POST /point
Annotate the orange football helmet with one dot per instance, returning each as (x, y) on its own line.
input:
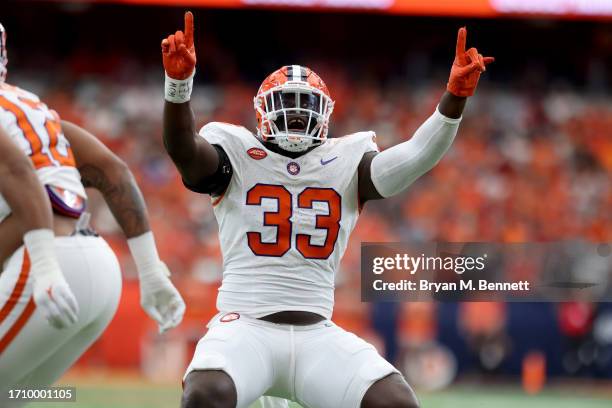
(3, 55)
(293, 107)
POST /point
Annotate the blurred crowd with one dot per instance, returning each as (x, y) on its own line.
(527, 165)
(524, 167)
(532, 160)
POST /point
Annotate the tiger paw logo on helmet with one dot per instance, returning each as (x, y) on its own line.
(293, 107)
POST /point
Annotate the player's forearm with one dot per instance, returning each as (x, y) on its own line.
(179, 131)
(396, 168)
(101, 169)
(121, 194)
(193, 156)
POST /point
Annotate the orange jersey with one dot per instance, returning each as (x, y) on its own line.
(36, 129)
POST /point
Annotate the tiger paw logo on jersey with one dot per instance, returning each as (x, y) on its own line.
(230, 317)
(256, 153)
(293, 168)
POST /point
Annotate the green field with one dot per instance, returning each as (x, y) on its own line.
(139, 395)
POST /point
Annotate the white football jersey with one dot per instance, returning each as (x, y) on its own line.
(36, 129)
(284, 223)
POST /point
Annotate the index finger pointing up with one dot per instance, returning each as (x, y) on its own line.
(461, 39)
(188, 29)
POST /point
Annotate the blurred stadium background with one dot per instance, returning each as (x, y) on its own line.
(532, 162)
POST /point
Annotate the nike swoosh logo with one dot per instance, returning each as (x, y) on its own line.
(324, 162)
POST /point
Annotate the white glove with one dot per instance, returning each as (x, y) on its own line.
(158, 296)
(52, 294)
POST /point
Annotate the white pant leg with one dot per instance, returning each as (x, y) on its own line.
(62, 359)
(242, 349)
(335, 368)
(39, 353)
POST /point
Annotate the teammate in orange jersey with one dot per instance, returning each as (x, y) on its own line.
(60, 282)
(286, 199)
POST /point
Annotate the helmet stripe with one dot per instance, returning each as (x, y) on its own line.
(2, 41)
(296, 71)
(3, 55)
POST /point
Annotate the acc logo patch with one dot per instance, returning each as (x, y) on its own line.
(256, 153)
(230, 317)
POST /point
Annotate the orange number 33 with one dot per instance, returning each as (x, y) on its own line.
(281, 219)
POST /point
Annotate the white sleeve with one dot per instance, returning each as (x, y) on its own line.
(396, 168)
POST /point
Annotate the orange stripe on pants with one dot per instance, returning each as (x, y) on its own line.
(21, 321)
(10, 304)
(12, 301)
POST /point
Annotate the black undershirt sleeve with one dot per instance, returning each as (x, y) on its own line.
(216, 183)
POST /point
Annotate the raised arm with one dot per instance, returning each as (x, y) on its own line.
(103, 170)
(392, 171)
(30, 205)
(194, 157)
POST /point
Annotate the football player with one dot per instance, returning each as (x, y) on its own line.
(60, 282)
(286, 199)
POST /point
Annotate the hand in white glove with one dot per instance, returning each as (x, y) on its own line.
(158, 296)
(52, 294)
